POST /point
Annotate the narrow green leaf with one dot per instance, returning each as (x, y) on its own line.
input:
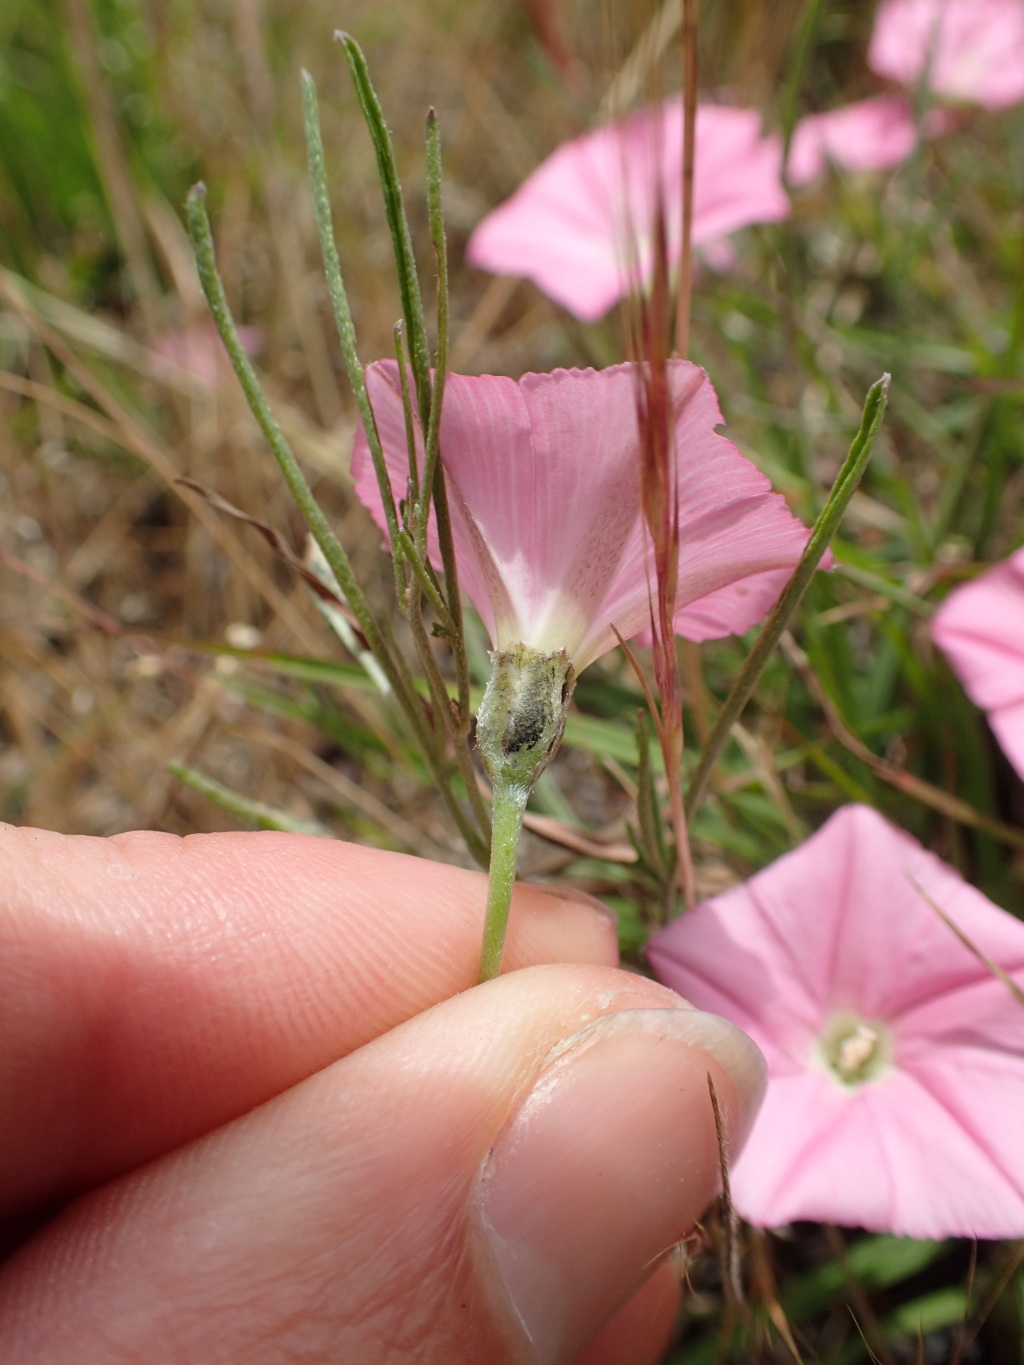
(822, 532)
(202, 245)
(252, 812)
(394, 208)
(390, 660)
(339, 298)
(434, 489)
(413, 480)
(435, 213)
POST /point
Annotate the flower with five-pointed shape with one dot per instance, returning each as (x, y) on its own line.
(582, 225)
(869, 135)
(895, 1053)
(543, 481)
(965, 49)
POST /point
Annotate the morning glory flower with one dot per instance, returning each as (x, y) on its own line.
(543, 484)
(980, 629)
(581, 226)
(895, 1055)
(542, 478)
(870, 135)
(965, 49)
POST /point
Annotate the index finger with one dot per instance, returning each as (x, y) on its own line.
(152, 987)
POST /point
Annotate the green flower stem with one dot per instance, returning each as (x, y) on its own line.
(822, 532)
(518, 730)
(433, 473)
(452, 593)
(413, 480)
(427, 584)
(510, 800)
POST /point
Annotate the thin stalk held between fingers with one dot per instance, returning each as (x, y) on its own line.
(519, 728)
(510, 800)
(822, 532)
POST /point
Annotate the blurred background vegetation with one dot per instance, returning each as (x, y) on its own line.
(139, 626)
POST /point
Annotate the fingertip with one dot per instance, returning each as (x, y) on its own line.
(640, 1332)
(561, 925)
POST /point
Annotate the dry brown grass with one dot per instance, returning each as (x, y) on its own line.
(96, 430)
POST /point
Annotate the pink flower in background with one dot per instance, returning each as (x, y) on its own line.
(581, 225)
(980, 629)
(895, 1057)
(965, 49)
(543, 484)
(871, 135)
(198, 351)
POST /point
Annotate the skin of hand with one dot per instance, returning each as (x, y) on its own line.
(255, 1111)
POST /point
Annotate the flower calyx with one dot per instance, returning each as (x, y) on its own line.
(522, 716)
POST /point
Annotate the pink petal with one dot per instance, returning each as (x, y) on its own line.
(1008, 727)
(839, 926)
(980, 629)
(886, 1156)
(734, 609)
(809, 1138)
(872, 135)
(580, 226)
(966, 49)
(739, 542)
(543, 485)
(198, 349)
(542, 482)
(968, 1057)
(843, 926)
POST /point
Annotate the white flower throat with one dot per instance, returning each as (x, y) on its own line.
(855, 1050)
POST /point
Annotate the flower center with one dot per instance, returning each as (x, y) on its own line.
(855, 1050)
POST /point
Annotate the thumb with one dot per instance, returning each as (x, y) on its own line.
(489, 1181)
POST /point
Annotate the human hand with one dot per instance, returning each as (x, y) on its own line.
(290, 1131)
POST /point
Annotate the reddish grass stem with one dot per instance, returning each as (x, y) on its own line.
(690, 78)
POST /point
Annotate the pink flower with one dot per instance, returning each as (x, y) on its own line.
(895, 1057)
(980, 628)
(197, 350)
(871, 135)
(543, 483)
(964, 49)
(582, 223)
